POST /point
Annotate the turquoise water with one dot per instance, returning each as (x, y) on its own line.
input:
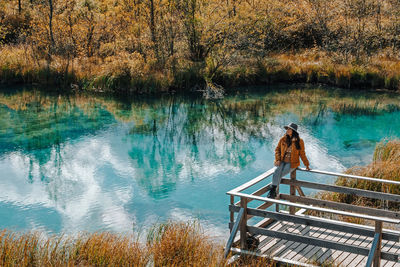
(84, 163)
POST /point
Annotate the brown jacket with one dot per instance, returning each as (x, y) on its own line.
(296, 153)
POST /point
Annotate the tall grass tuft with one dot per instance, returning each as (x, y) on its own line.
(168, 244)
(97, 249)
(385, 165)
(107, 249)
(183, 244)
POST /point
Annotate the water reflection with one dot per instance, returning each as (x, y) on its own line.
(71, 163)
(186, 139)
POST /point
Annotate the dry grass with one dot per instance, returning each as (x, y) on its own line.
(169, 244)
(126, 72)
(385, 165)
(183, 244)
(97, 249)
(111, 45)
(314, 66)
(321, 67)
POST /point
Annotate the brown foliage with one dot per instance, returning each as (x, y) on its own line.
(219, 40)
(171, 244)
(385, 165)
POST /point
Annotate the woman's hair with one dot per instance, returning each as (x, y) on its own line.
(289, 139)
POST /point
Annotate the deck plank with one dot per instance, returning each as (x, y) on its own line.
(315, 252)
(339, 237)
(315, 232)
(340, 260)
(301, 250)
(386, 246)
(295, 247)
(296, 252)
(291, 245)
(346, 238)
(280, 243)
(350, 258)
(395, 248)
(278, 247)
(265, 240)
(310, 254)
(293, 253)
(334, 236)
(366, 244)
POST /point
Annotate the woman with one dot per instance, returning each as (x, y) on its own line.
(287, 154)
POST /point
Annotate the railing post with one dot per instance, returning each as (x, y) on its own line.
(292, 210)
(377, 256)
(277, 205)
(277, 194)
(243, 224)
(231, 214)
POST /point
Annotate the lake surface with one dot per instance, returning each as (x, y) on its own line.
(84, 163)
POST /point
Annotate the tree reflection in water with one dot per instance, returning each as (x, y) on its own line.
(167, 130)
(157, 143)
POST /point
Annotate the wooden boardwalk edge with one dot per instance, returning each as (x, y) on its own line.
(295, 238)
(277, 259)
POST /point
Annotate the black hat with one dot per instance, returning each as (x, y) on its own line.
(292, 126)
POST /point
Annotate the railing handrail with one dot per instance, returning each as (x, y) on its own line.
(310, 207)
(351, 176)
(271, 171)
(253, 181)
(343, 189)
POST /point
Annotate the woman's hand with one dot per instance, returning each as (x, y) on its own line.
(277, 163)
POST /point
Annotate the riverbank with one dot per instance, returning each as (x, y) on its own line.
(135, 47)
(169, 244)
(127, 75)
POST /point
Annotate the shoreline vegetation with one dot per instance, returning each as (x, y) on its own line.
(385, 165)
(168, 244)
(132, 47)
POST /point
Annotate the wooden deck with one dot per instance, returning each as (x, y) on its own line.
(295, 238)
(289, 251)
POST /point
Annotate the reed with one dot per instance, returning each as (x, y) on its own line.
(182, 244)
(97, 249)
(130, 73)
(311, 66)
(168, 244)
(385, 165)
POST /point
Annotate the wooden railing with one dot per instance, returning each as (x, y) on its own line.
(304, 203)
